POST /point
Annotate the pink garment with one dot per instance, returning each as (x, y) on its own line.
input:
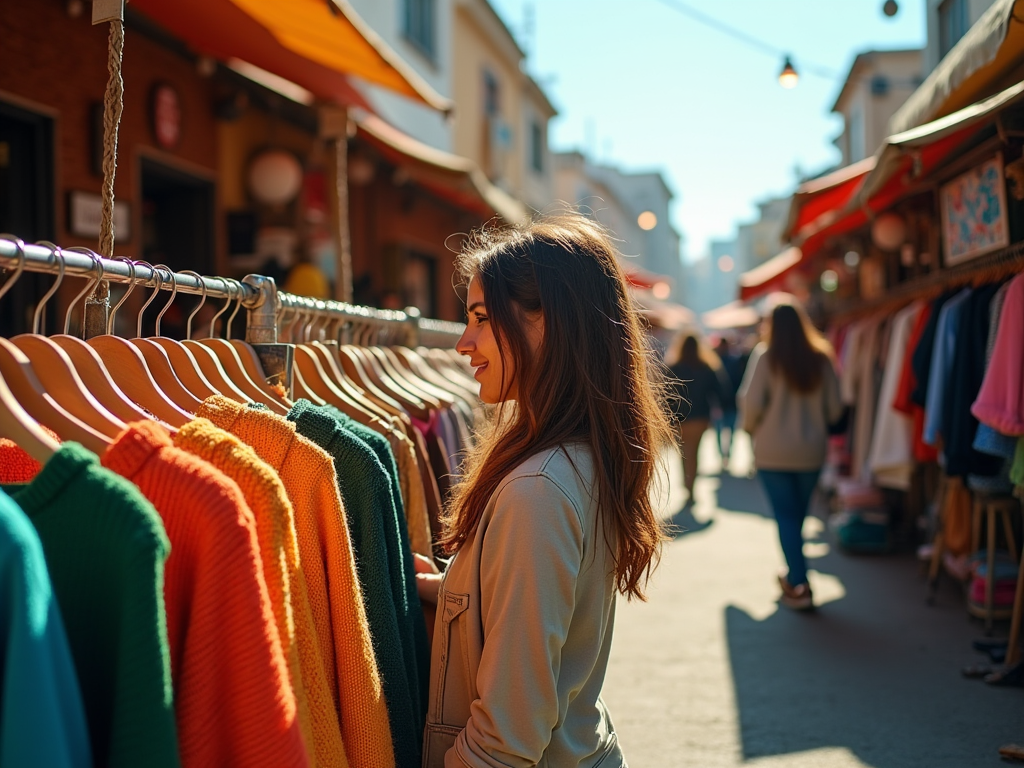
(1000, 402)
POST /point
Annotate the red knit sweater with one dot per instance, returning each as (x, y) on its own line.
(232, 697)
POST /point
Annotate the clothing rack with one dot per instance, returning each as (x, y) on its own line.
(270, 312)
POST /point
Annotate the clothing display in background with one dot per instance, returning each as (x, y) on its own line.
(1000, 401)
(890, 458)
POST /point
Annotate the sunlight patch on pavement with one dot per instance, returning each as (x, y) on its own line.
(827, 757)
(827, 588)
(814, 550)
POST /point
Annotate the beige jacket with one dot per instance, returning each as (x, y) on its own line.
(524, 628)
(790, 429)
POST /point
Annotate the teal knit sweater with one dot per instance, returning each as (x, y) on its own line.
(380, 565)
(105, 548)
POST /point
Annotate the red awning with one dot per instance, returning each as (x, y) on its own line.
(771, 275)
(815, 200)
(904, 162)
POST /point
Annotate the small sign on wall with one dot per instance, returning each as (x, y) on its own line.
(973, 206)
(85, 213)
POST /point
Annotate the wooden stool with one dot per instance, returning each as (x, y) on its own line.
(991, 507)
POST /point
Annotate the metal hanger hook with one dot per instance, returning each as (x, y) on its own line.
(58, 256)
(238, 306)
(159, 284)
(20, 245)
(98, 263)
(174, 292)
(202, 287)
(222, 310)
(124, 298)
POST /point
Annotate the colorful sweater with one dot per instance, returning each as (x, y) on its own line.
(372, 520)
(105, 547)
(233, 700)
(326, 556)
(42, 721)
(279, 548)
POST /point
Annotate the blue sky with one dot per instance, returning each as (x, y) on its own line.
(643, 86)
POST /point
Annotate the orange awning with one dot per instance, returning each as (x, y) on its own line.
(770, 275)
(312, 43)
(453, 178)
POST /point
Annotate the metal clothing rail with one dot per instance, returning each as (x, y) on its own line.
(268, 309)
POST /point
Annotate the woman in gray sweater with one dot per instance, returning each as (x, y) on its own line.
(788, 399)
(553, 517)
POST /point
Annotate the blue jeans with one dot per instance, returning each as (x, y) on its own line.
(790, 493)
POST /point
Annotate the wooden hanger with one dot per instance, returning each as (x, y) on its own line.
(410, 378)
(233, 367)
(390, 375)
(87, 363)
(54, 369)
(156, 358)
(415, 362)
(179, 356)
(24, 431)
(128, 369)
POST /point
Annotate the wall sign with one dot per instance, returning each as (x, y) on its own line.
(85, 212)
(973, 206)
(165, 115)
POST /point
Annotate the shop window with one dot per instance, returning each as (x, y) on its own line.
(26, 206)
(855, 128)
(177, 230)
(952, 24)
(420, 29)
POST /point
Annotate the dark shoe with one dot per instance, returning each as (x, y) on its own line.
(798, 598)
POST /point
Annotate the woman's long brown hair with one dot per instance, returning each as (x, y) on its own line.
(593, 380)
(796, 349)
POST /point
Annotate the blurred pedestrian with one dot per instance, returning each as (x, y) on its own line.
(789, 396)
(733, 365)
(700, 386)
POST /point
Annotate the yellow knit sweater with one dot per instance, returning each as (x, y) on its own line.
(328, 565)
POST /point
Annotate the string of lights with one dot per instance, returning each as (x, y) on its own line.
(788, 77)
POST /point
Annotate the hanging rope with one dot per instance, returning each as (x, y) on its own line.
(113, 105)
(98, 303)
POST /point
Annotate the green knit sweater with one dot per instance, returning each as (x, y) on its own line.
(105, 548)
(373, 526)
(382, 449)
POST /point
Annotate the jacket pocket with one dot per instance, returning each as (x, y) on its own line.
(438, 739)
(452, 605)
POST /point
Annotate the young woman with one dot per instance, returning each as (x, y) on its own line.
(701, 386)
(789, 396)
(553, 517)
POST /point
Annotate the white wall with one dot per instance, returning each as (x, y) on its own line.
(423, 123)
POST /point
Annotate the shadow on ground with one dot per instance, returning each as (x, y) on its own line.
(874, 672)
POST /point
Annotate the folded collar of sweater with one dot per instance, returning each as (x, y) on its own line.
(252, 424)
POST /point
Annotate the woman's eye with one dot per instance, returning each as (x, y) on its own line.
(480, 319)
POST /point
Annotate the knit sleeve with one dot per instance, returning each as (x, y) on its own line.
(753, 394)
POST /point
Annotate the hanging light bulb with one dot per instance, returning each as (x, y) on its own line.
(788, 78)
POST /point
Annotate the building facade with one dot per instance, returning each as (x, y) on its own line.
(877, 85)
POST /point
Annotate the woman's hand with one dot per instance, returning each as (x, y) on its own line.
(428, 579)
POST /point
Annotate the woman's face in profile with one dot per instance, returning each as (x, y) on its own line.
(480, 345)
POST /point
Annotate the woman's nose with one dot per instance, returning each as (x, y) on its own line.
(465, 345)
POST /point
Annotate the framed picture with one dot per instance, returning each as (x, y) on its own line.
(973, 206)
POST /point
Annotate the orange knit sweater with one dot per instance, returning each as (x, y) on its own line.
(16, 466)
(279, 549)
(328, 564)
(232, 697)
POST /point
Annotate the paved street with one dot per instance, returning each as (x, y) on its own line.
(712, 673)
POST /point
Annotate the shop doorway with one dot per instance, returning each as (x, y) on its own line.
(177, 230)
(26, 205)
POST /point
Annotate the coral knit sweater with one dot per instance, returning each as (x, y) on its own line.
(233, 700)
(327, 559)
(279, 548)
